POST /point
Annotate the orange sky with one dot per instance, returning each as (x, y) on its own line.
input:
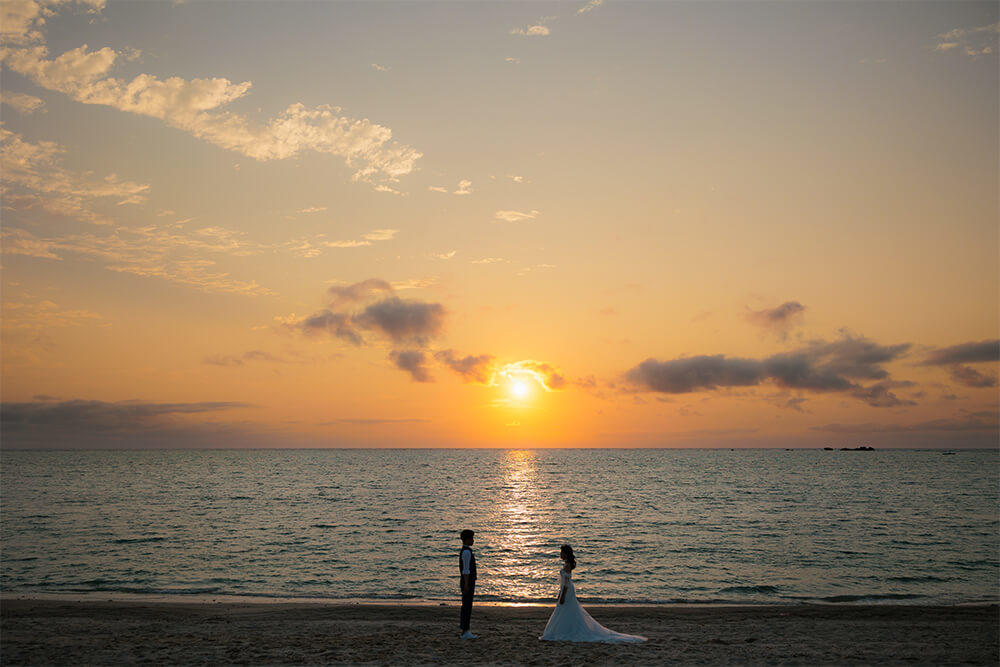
(376, 224)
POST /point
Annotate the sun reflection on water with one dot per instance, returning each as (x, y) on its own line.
(518, 516)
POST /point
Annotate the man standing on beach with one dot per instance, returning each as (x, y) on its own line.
(467, 566)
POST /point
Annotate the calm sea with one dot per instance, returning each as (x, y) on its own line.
(654, 526)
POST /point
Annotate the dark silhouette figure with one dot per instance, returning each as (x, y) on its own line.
(467, 568)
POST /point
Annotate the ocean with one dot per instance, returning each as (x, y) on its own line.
(648, 525)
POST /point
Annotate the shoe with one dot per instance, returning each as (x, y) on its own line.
(469, 635)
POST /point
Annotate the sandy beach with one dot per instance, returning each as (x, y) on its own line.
(115, 632)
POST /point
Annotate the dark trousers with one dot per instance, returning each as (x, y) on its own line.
(467, 606)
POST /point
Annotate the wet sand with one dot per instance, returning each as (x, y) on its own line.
(54, 632)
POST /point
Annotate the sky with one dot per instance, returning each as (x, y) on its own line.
(545, 224)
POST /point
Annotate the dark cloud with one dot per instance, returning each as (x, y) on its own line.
(44, 397)
(778, 319)
(403, 320)
(970, 377)
(413, 362)
(680, 376)
(338, 325)
(819, 366)
(476, 368)
(374, 422)
(988, 420)
(346, 295)
(966, 353)
(97, 423)
(239, 360)
(880, 395)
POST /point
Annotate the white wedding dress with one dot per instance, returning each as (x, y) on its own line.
(571, 623)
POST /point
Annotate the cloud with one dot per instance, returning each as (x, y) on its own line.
(964, 353)
(380, 235)
(196, 106)
(778, 319)
(403, 320)
(955, 356)
(478, 368)
(973, 42)
(240, 360)
(880, 395)
(532, 31)
(547, 376)
(380, 68)
(32, 176)
(26, 104)
(34, 180)
(590, 6)
(413, 283)
(819, 366)
(346, 244)
(437, 188)
(367, 239)
(515, 178)
(88, 423)
(375, 422)
(312, 209)
(975, 421)
(970, 377)
(512, 60)
(488, 260)
(43, 315)
(445, 255)
(152, 251)
(413, 362)
(338, 325)
(515, 216)
(464, 188)
(343, 295)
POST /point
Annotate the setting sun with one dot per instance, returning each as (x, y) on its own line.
(519, 389)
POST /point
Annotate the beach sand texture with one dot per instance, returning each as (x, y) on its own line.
(90, 632)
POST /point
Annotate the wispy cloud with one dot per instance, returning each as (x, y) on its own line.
(380, 68)
(312, 209)
(33, 177)
(590, 6)
(977, 41)
(515, 216)
(464, 187)
(159, 252)
(22, 103)
(778, 320)
(196, 107)
(380, 235)
(512, 60)
(532, 31)
(229, 360)
(438, 188)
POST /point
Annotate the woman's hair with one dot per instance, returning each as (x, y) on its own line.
(566, 552)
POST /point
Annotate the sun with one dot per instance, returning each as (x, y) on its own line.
(519, 389)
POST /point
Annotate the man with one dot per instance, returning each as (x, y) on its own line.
(467, 566)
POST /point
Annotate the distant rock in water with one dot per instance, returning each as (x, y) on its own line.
(857, 449)
(828, 449)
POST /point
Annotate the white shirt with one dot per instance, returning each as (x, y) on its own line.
(466, 558)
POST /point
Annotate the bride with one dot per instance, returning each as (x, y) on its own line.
(569, 621)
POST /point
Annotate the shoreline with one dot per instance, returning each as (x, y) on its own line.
(49, 631)
(264, 599)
